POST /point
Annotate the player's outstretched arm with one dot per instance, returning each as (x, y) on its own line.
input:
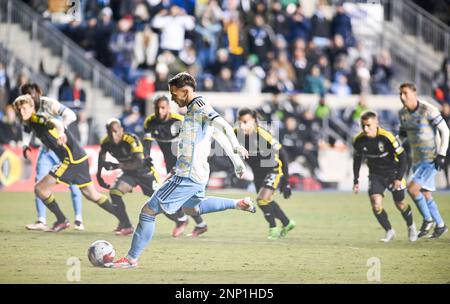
(221, 125)
(224, 142)
(444, 133)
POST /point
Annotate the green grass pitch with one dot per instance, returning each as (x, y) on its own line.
(336, 235)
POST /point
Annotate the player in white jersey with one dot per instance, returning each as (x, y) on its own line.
(186, 188)
(419, 122)
(47, 159)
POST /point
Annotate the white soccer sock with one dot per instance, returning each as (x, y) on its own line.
(183, 218)
(43, 220)
(201, 225)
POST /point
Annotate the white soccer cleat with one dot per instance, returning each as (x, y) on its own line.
(38, 226)
(246, 204)
(412, 233)
(390, 234)
(78, 225)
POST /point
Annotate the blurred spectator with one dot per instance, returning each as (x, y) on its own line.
(22, 79)
(354, 117)
(222, 60)
(323, 110)
(337, 50)
(260, 38)
(300, 26)
(309, 131)
(382, 73)
(162, 77)
(4, 87)
(10, 128)
(122, 47)
(208, 28)
(207, 84)
(340, 87)
(272, 110)
(74, 96)
(104, 30)
(146, 44)
(233, 37)
(250, 77)
(293, 107)
(173, 25)
(224, 83)
(88, 40)
(301, 68)
(59, 82)
(359, 78)
(132, 120)
(441, 83)
(342, 25)
(290, 139)
(314, 82)
(145, 87)
(85, 130)
(360, 51)
(141, 17)
(320, 27)
(279, 20)
(325, 70)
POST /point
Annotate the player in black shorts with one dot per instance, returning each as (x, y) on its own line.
(74, 166)
(270, 170)
(163, 126)
(387, 164)
(129, 152)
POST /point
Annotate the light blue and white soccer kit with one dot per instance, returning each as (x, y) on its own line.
(421, 127)
(47, 159)
(187, 187)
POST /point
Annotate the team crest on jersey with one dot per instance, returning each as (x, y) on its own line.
(381, 146)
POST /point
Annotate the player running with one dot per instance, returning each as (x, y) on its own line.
(270, 170)
(128, 150)
(387, 164)
(419, 122)
(186, 188)
(47, 159)
(73, 167)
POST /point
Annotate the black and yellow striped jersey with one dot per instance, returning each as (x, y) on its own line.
(263, 149)
(382, 152)
(71, 150)
(165, 134)
(125, 150)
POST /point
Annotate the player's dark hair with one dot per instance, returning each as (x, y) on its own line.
(408, 85)
(368, 115)
(246, 111)
(159, 98)
(182, 79)
(27, 88)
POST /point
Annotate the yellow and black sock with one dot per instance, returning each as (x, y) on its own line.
(269, 213)
(119, 205)
(279, 214)
(53, 206)
(407, 215)
(382, 218)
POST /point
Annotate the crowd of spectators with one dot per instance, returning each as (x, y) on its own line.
(229, 46)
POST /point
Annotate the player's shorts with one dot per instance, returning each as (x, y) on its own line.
(144, 181)
(378, 184)
(267, 179)
(177, 192)
(69, 173)
(424, 174)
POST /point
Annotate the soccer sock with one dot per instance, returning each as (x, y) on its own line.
(202, 224)
(435, 214)
(215, 204)
(382, 218)
(106, 205)
(41, 210)
(423, 207)
(279, 214)
(76, 202)
(407, 215)
(117, 202)
(198, 220)
(269, 214)
(51, 204)
(142, 236)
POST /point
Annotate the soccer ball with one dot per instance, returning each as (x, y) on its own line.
(101, 252)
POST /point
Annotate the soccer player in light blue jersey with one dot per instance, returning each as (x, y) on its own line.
(419, 123)
(186, 188)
